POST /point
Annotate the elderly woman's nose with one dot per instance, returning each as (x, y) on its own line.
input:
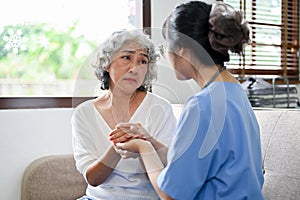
(134, 64)
(133, 67)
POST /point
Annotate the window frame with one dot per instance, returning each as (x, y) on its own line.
(287, 71)
(61, 102)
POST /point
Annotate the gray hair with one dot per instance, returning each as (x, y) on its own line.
(113, 44)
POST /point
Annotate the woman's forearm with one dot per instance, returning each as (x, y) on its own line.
(160, 148)
(153, 166)
(101, 169)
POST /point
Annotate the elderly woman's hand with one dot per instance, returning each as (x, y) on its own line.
(125, 153)
(133, 134)
(127, 131)
(133, 146)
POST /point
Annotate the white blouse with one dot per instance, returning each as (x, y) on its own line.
(91, 140)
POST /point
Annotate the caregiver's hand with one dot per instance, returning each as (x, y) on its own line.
(133, 146)
(127, 131)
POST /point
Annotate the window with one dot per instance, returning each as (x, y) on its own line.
(43, 45)
(274, 48)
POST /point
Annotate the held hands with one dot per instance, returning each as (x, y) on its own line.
(127, 138)
(125, 153)
(132, 146)
(128, 131)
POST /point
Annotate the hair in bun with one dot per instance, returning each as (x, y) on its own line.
(228, 31)
(217, 28)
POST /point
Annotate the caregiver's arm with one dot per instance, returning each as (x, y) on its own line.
(151, 161)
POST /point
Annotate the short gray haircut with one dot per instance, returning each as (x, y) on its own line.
(113, 44)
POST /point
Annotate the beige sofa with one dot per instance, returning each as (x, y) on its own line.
(52, 177)
(55, 177)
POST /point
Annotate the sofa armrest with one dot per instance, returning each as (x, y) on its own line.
(53, 177)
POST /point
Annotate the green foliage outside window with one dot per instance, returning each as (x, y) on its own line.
(41, 52)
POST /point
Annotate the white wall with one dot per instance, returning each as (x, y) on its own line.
(27, 135)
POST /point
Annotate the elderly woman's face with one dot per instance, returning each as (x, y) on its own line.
(129, 67)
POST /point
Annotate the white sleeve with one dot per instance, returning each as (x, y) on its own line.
(82, 154)
(89, 136)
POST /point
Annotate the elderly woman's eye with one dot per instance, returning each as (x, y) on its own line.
(126, 57)
(144, 62)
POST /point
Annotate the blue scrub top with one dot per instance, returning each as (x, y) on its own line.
(216, 152)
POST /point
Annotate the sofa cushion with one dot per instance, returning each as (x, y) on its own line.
(52, 177)
(280, 134)
(267, 120)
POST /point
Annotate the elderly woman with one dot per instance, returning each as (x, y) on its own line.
(126, 67)
(215, 153)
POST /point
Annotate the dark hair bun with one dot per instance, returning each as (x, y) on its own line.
(228, 31)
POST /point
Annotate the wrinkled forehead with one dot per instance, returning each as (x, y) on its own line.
(133, 45)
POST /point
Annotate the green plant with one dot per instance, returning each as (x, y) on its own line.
(41, 52)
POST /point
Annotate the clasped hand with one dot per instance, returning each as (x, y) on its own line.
(130, 133)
